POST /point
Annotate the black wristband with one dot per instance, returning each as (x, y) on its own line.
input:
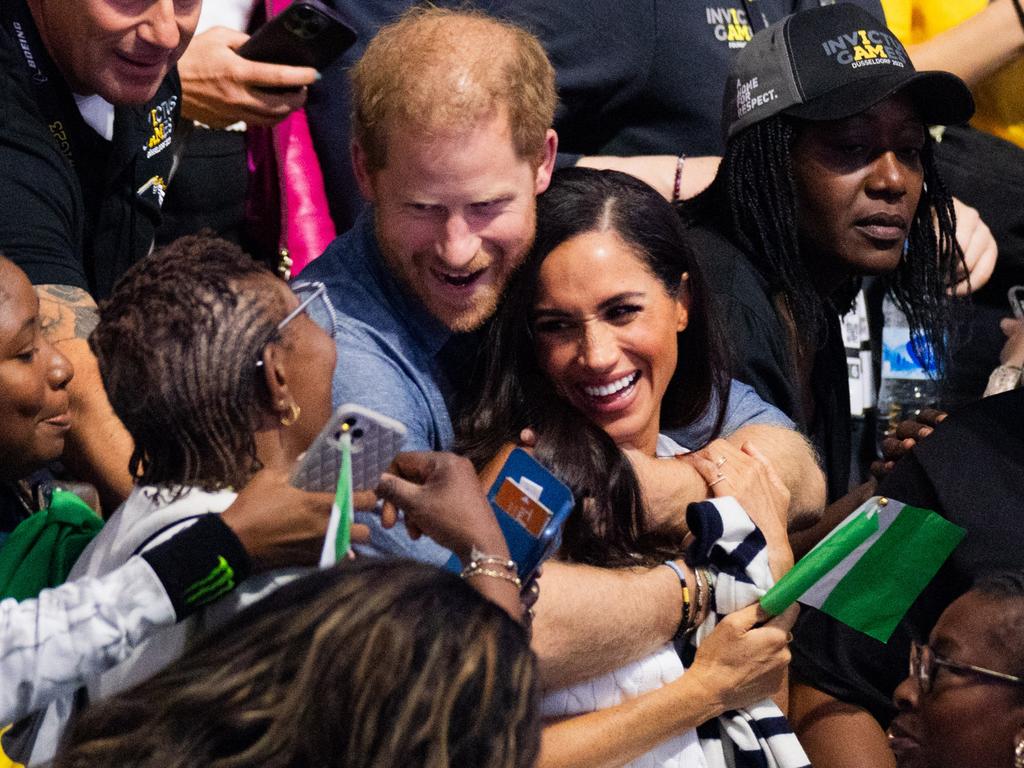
(200, 564)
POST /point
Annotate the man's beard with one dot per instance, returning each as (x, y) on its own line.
(415, 276)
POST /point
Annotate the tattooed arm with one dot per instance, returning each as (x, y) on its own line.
(98, 446)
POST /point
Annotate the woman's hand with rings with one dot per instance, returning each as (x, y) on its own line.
(719, 474)
(757, 487)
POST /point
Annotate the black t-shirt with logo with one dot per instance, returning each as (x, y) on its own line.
(634, 76)
(648, 78)
(760, 353)
(75, 209)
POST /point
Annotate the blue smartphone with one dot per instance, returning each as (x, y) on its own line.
(531, 505)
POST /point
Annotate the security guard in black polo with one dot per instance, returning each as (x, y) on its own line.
(76, 209)
(89, 104)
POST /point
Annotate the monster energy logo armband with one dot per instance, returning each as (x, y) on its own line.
(200, 564)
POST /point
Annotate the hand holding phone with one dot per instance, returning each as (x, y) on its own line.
(376, 439)
(531, 506)
(305, 34)
(440, 495)
(220, 88)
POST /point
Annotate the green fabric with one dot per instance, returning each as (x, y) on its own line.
(818, 562)
(878, 590)
(39, 553)
(343, 500)
(875, 592)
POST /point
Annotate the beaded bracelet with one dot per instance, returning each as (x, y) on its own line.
(476, 556)
(677, 187)
(478, 562)
(684, 627)
(473, 569)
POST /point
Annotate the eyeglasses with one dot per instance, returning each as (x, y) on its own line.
(923, 661)
(307, 294)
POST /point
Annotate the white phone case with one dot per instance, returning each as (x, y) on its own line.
(376, 439)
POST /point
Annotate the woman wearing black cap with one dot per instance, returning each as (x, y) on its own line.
(827, 176)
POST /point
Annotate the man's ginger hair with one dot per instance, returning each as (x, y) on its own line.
(437, 70)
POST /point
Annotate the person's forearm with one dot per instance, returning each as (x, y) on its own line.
(590, 621)
(977, 47)
(793, 459)
(98, 447)
(835, 733)
(50, 645)
(805, 540)
(614, 736)
(492, 581)
(660, 171)
(668, 487)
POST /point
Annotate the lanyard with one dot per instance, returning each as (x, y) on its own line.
(52, 99)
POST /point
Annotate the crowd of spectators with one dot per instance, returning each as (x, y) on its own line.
(619, 236)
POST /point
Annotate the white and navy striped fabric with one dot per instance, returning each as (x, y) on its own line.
(732, 546)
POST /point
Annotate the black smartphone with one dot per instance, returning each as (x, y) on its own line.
(305, 34)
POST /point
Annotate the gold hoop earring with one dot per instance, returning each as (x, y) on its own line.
(294, 411)
(1018, 750)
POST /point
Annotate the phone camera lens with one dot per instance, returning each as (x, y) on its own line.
(356, 434)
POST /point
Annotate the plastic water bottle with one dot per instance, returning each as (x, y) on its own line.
(909, 378)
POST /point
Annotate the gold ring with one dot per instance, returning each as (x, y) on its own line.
(720, 461)
(713, 483)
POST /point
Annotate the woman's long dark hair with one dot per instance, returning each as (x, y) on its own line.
(754, 202)
(608, 526)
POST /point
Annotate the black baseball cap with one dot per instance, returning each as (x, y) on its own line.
(831, 62)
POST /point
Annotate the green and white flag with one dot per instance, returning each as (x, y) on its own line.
(339, 527)
(873, 565)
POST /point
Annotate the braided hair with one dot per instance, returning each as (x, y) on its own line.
(177, 345)
(754, 201)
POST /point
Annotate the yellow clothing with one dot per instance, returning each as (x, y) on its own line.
(1000, 98)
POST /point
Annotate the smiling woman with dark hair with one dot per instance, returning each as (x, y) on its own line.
(34, 407)
(604, 340)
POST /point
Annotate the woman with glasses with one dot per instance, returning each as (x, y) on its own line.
(217, 371)
(962, 704)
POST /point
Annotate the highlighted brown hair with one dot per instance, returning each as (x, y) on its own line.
(371, 664)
